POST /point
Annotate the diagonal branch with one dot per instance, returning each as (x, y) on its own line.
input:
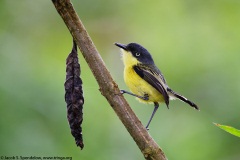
(108, 87)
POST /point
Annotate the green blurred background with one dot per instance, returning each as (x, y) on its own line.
(194, 43)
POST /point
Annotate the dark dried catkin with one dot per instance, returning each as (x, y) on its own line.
(74, 96)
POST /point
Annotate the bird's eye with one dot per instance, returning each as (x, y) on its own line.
(137, 54)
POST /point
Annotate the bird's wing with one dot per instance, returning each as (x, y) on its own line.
(154, 77)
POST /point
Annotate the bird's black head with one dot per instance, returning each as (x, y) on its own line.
(139, 52)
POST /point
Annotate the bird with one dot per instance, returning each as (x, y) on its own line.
(145, 81)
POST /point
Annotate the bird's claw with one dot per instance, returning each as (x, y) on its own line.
(145, 97)
(122, 91)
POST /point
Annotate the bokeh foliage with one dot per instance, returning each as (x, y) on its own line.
(194, 43)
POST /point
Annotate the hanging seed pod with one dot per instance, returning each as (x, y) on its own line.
(74, 95)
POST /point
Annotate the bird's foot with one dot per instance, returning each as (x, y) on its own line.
(145, 97)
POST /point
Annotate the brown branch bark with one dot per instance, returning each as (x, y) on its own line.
(108, 87)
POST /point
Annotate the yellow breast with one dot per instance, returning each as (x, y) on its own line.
(140, 87)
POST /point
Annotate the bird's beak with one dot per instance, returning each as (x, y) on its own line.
(123, 46)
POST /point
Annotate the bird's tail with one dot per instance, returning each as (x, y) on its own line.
(180, 97)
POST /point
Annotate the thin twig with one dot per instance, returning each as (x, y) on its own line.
(108, 87)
